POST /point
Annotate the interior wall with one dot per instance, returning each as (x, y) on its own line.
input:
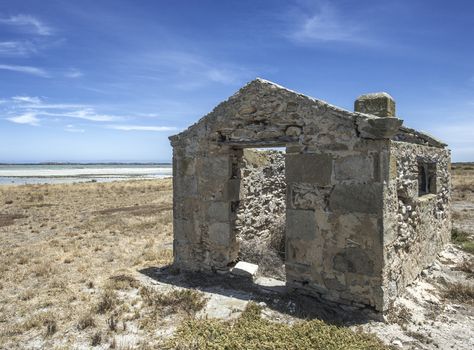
(260, 217)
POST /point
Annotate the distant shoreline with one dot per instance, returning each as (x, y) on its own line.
(86, 163)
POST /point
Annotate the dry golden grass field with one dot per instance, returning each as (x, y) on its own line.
(69, 273)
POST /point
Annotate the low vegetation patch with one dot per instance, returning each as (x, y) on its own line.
(9, 219)
(107, 302)
(467, 266)
(462, 240)
(460, 292)
(187, 300)
(251, 331)
(86, 321)
(121, 282)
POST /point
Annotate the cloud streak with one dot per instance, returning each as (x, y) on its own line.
(189, 71)
(324, 24)
(26, 69)
(16, 48)
(72, 128)
(31, 110)
(27, 118)
(26, 99)
(28, 24)
(73, 73)
(141, 128)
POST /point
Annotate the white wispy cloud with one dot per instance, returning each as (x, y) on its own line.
(27, 23)
(73, 73)
(27, 118)
(72, 128)
(27, 99)
(141, 128)
(37, 105)
(324, 23)
(16, 48)
(55, 106)
(86, 114)
(189, 70)
(30, 110)
(25, 69)
(92, 115)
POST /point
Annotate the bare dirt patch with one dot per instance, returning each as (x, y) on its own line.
(9, 219)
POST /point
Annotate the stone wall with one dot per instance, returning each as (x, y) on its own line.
(334, 226)
(416, 227)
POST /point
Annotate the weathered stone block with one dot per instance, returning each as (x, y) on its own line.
(294, 149)
(356, 229)
(300, 224)
(183, 229)
(359, 168)
(354, 260)
(187, 208)
(185, 166)
(380, 104)
(244, 269)
(299, 251)
(219, 211)
(309, 167)
(232, 190)
(221, 233)
(378, 128)
(215, 166)
(359, 198)
(306, 196)
(185, 186)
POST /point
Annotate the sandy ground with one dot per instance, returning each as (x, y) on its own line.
(80, 266)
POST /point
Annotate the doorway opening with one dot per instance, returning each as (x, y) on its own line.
(261, 212)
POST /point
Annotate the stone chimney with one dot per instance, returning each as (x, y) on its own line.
(380, 104)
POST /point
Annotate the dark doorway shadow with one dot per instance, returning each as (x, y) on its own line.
(277, 298)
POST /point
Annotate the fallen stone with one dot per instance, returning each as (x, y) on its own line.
(244, 269)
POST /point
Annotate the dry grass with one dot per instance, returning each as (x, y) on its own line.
(460, 292)
(463, 181)
(186, 300)
(9, 219)
(86, 321)
(400, 315)
(467, 266)
(69, 259)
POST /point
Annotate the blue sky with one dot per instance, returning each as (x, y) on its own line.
(111, 80)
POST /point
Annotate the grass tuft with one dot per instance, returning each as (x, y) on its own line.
(86, 321)
(107, 302)
(187, 300)
(122, 282)
(96, 339)
(460, 292)
(463, 240)
(51, 327)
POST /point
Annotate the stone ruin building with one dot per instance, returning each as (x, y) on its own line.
(366, 200)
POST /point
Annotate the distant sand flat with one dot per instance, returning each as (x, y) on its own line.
(85, 172)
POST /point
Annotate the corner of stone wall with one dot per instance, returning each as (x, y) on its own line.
(415, 229)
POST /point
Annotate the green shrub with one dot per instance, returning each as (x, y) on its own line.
(251, 332)
(462, 240)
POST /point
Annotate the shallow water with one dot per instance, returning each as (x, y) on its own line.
(67, 173)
